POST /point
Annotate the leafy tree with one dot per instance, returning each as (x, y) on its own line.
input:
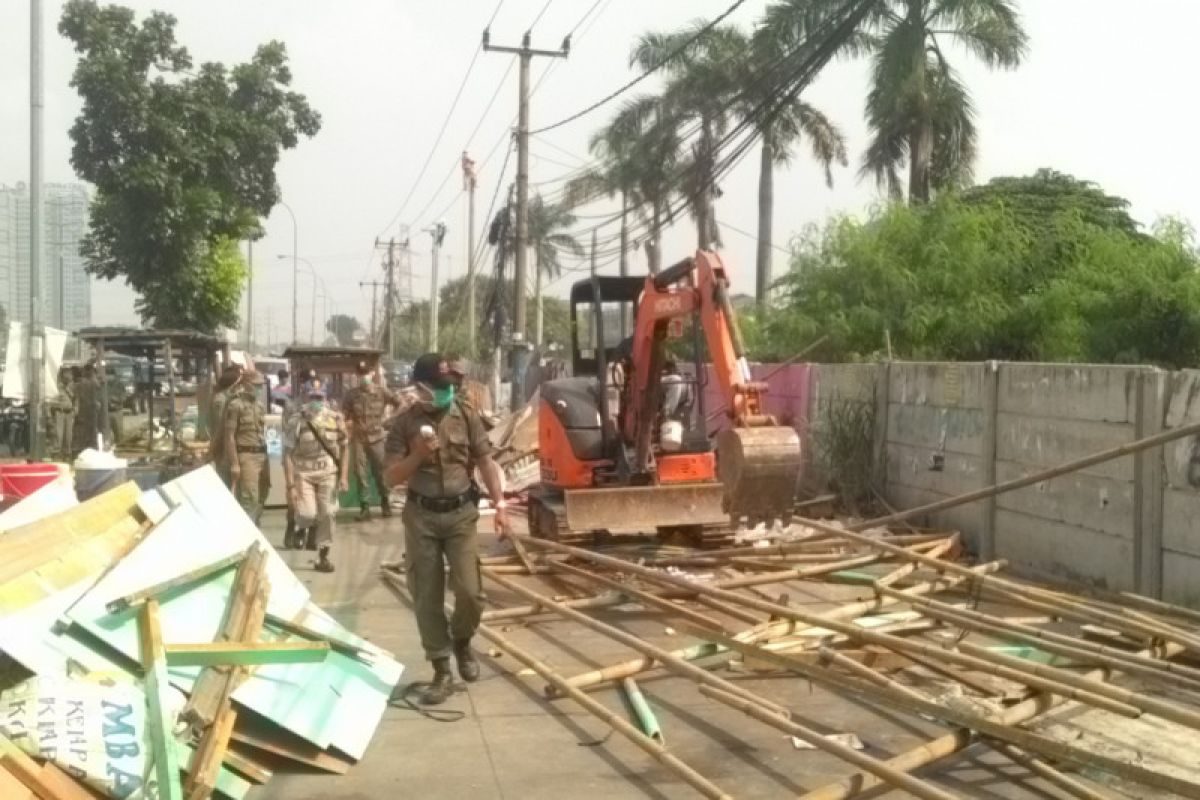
(919, 111)
(548, 223)
(971, 281)
(1037, 199)
(343, 327)
(183, 158)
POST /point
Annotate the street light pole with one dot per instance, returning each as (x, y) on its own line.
(36, 232)
(295, 270)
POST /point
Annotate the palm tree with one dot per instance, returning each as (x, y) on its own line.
(700, 83)
(918, 109)
(547, 225)
(636, 158)
(780, 128)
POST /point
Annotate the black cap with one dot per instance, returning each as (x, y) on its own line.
(363, 368)
(427, 369)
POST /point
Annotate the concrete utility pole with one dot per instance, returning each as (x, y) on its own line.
(295, 272)
(36, 106)
(388, 294)
(375, 337)
(470, 179)
(438, 234)
(250, 296)
(526, 54)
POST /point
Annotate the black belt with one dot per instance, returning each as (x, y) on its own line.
(249, 449)
(439, 505)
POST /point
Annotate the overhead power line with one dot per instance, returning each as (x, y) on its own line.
(442, 130)
(634, 82)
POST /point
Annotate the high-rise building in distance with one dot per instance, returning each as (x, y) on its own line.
(66, 288)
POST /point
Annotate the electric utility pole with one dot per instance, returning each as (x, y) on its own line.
(438, 234)
(250, 296)
(36, 232)
(470, 179)
(525, 53)
(375, 337)
(388, 294)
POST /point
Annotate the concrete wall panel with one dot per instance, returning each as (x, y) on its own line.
(953, 429)
(1040, 442)
(937, 383)
(1069, 391)
(1101, 504)
(1181, 578)
(1038, 546)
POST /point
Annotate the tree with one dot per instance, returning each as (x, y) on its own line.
(973, 280)
(917, 108)
(343, 327)
(780, 126)
(547, 225)
(1037, 199)
(183, 158)
(637, 155)
(699, 84)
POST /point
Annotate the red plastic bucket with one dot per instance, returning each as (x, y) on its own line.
(22, 480)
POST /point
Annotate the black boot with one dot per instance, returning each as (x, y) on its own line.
(442, 685)
(323, 562)
(364, 513)
(468, 666)
(309, 537)
(385, 508)
(289, 536)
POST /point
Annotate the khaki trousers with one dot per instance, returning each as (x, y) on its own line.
(431, 541)
(317, 502)
(254, 484)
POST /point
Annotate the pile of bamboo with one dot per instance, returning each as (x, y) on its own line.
(851, 649)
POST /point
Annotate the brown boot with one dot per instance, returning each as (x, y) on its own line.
(468, 666)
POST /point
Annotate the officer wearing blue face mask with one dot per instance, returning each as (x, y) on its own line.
(435, 445)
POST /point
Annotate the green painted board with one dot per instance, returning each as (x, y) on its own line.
(217, 654)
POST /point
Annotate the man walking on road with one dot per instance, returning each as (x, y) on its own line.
(227, 386)
(435, 445)
(315, 464)
(244, 431)
(366, 406)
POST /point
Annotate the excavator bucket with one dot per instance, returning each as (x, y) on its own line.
(759, 468)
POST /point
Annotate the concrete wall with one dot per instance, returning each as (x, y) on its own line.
(943, 429)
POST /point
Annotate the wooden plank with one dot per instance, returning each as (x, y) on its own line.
(243, 622)
(161, 723)
(192, 576)
(342, 646)
(245, 654)
(206, 765)
(56, 783)
(255, 736)
(12, 788)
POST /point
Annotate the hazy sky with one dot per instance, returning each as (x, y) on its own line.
(1105, 94)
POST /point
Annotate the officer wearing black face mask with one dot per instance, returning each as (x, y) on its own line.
(434, 446)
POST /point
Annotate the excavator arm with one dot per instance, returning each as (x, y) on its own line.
(758, 460)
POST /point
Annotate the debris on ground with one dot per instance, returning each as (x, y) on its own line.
(157, 646)
(996, 661)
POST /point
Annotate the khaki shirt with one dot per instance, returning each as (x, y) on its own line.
(245, 417)
(366, 405)
(463, 443)
(302, 443)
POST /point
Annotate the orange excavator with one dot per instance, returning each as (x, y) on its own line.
(619, 455)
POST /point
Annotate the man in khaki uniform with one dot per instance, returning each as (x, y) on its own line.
(366, 406)
(244, 431)
(226, 387)
(434, 445)
(315, 465)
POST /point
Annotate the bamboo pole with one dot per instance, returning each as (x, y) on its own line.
(1029, 596)
(901, 780)
(947, 744)
(646, 597)
(985, 726)
(769, 629)
(1061, 644)
(1032, 763)
(1062, 682)
(822, 541)
(516, 612)
(911, 567)
(1037, 477)
(647, 744)
(1039, 767)
(676, 665)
